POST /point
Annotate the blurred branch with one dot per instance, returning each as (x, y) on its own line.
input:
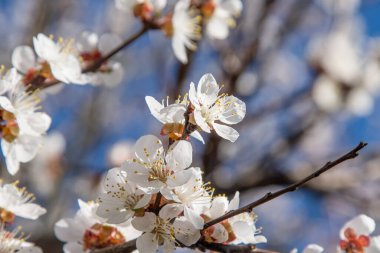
(270, 196)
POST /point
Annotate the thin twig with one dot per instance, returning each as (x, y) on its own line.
(269, 196)
(123, 45)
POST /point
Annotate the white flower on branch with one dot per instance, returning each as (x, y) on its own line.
(210, 107)
(184, 29)
(121, 198)
(92, 48)
(172, 116)
(87, 231)
(143, 9)
(13, 242)
(237, 229)
(22, 125)
(61, 59)
(355, 236)
(153, 169)
(162, 230)
(193, 198)
(220, 16)
(311, 248)
(15, 201)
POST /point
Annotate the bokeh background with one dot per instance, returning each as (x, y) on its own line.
(277, 59)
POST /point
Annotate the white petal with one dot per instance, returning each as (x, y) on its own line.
(207, 90)
(32, 249)
(185, 232)
(6, 104)
(220, 234)
(234, 110)
(73, 247)
(147, 243)
(219, 207)
(361, 224)
(194, 218)
(180, 155)
(226, 132)
(149, 148)
(145, 223)
(217, 28)
(201, 121)
(170, 211)
(244, 231)
(26, 147)
(374, 246)
(23, 58)
(29, 211)
(154, 107)
(193, 96)
(313, 248)
(234, 203)
(179, 49)
(197, 136)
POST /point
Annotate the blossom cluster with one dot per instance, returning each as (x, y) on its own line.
(184, 24)
(157, 193)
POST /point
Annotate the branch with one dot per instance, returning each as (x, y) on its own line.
(231, 248)
(269, 196)
(122, 248)
(123, 45)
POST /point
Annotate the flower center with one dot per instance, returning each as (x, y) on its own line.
(354, 243)
(6, 216)
(9, 128)
(159, 171)
(101, 236)
(44, 72)
(163, 231)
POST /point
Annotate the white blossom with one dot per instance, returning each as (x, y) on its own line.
(184, 28)
(193, 198)
(161, 230)
(12, 242)
(172, 116)
(15, 201)
(121, 198)
(87, 231)
(355, 236)
(153, 169)
(62, 59)
(210, 107)
(220, 16)
(311, 248)
(22, 125)
(237, 229)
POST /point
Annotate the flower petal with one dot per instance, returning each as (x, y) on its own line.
(361, 224)
(147, 243)
(226, 132)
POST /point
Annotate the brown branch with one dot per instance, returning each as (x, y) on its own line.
(230, 248)
(123, 45)
(122, 248)
(270, 196)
